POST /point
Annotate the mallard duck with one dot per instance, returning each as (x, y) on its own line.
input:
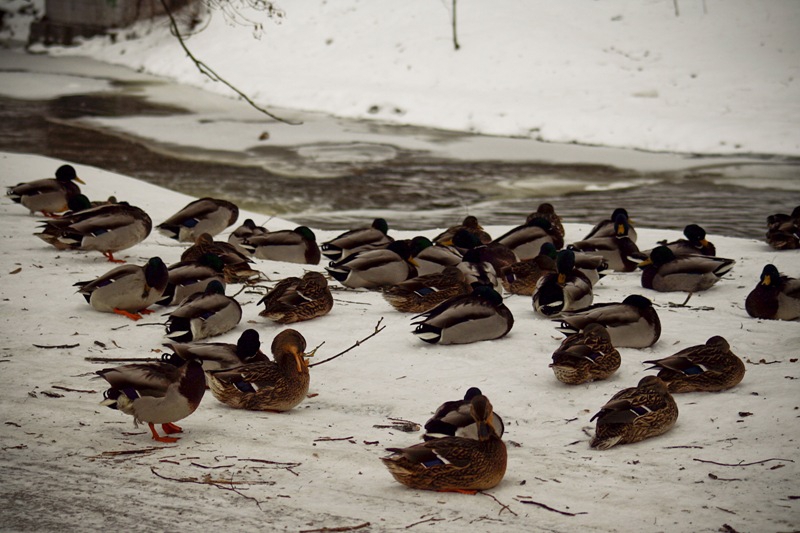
(290, 246)
(245, 231)
(206, 215)
(783, 231)
(419, 294)
(707, 367)
(474, 317)
(633, 323)
(526, 241)
(189, 277)
(776, 297)
(469, 225)
(127, 289)
(454, 419)
(567, 289)
(155, 393)
(610, 226)
(498, 254)
(107, 229)
(218, 355)
(454, 464)
(694, 243)
(356, 240)
(430, 258)
(479, 272)
(297, 299)
(48, 196)
(204, 314)
(592, 265)
(521, 277)
(619, 250)
(586, 356)
(267, 385)
(666, 272)
(548, 212)
(237, 267)
(372, 269)
(635, 414)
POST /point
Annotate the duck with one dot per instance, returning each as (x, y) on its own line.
(204, 215)
(155, 393)
(663, 271)
(204, 314)
(592, 265)
(619, 250)
(48, 196)
(374, 269)
(526, 240)
(107, 229)
(290, 246)
(586, 356)
(497, 254)
(454, 464)
(694, 243)
(355, 240)
(567, 289)
(298, 299)
(783, 231)
(242, 233)
(548, 212)
(469, 225)
(419, 294)
(189, 277)
(218, 355)
(609, 227)
(635, 414)
(632, 323)
(776, 297)
(237, 266)
(454, 419)
(127, 290)
(430, 258)
(474, 317)
(277, 385)
(709, 367)
(521, 277)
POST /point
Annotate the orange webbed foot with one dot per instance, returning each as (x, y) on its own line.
(170, 428)
(132, 316)
(146, 311)
(159, 438)
(110, 257)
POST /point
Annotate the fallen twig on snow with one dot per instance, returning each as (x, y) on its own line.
(545, 506)
(57, 346)
(378, 329)
(59, 387)
(121, 359)
(409, 526)
(151, 449)
(336, 529)
(743, 464)
(503, 507)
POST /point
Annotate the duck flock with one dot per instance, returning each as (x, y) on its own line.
(454, 285)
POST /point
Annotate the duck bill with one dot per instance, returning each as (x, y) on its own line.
(302, 364)
(562, 279)
(484, 430)
(647, 262)
(767, 280)
(704, 242)
(80, 180)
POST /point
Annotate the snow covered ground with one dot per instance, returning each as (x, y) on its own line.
(719, 77)
(70, 464)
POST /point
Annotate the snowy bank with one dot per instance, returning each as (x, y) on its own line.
(71, 464)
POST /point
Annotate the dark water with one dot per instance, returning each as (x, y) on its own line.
(412, 190)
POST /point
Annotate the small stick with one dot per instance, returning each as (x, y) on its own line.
(329, 439)
(378, 329)
(57, 346)
(336, 529)
(121, 359)
(543, 506)
(743, 464)
(130, 452)
(59, 387)
(409, 526)
(503, 507)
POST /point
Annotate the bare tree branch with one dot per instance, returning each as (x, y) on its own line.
(208, 71)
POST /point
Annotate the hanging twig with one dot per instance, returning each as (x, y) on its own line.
(378, 329)
(208, 71)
